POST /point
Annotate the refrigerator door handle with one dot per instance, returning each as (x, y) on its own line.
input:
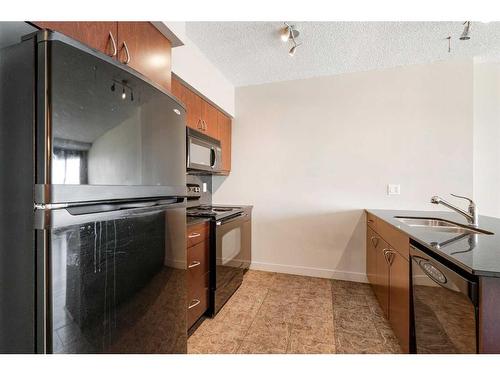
(54, 218)
(106, 207)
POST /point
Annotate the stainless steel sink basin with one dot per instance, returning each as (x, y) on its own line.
(439, 225)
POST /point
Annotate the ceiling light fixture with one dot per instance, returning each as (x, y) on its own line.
(289, 32)
(465, 33)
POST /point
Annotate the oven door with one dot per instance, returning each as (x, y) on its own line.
(232, 256)
(114, 280)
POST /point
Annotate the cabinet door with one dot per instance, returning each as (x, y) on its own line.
(399, 297)
(224, 125)
(209, 116)
(193, 104)
(94, 34)
(382, 277)
(149, 51)
(372, 246)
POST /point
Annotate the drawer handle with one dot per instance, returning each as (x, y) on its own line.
(194, 263)
(194, 303)
(371, 221)
(375, 243)
(194, 235)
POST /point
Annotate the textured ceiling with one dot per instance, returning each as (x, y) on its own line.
(249, 53)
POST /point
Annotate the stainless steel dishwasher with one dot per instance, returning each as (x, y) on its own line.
(444, 308)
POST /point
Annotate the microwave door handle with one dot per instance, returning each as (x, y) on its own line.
(213, 158)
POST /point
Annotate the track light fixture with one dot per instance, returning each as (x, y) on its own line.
(289, 33)
(465, 33)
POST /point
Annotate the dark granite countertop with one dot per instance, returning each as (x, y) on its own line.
(476, 254)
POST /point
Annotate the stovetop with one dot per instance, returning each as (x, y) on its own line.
(217, 212)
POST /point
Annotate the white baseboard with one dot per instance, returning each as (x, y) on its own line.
(310, 271)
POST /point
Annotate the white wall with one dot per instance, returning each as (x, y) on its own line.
(487, 137)
(311, 154)
(189, 63)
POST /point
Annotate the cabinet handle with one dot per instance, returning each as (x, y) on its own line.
(389, 256)
(113, 43)
(194, 235)
(198, 125)
(375, 243)
(127, 52)
(194, 303)
(194, 263)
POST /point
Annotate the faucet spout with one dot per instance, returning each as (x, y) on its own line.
(471, 215)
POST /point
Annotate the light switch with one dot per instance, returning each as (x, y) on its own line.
(204, 187)
(393, 189)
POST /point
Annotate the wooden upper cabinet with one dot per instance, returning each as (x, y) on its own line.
(191, 101)
(224, 125)
(209, 118)
(94, 34)
(399, 297)
(149, 52)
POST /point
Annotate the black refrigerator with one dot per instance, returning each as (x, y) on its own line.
(93, 196)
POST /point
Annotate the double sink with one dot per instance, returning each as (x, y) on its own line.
(439, 225)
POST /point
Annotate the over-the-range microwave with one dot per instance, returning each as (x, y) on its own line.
(204, 153)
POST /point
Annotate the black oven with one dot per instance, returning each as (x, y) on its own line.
(231, 255)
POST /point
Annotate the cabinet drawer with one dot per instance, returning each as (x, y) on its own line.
(396, 239)
(197, 304)
(197, 233)
(197, 259)
(371, 220)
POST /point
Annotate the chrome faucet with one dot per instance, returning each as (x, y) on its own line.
(471, 216)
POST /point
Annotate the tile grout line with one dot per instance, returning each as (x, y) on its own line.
(333, 317)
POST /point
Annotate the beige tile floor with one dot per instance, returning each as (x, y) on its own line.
(279, 313)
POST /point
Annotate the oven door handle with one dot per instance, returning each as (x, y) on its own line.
(231, 219)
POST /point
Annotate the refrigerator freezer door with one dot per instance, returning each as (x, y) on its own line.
(116, 280)
(104, 131)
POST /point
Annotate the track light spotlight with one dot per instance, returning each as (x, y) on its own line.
(288, 32)
(465, 33)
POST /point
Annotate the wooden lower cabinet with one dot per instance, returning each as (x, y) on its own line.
(388, 271)
(399, 297)
(382, 277)
(198, 275)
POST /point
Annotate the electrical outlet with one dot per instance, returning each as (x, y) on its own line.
(393, 189)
